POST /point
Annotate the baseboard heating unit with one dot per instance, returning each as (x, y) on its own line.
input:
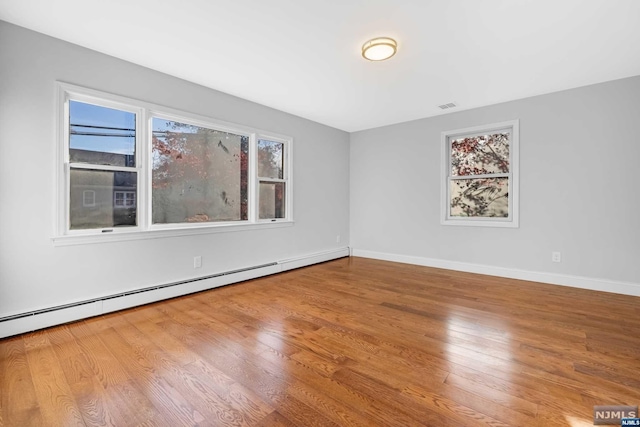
(56, 315)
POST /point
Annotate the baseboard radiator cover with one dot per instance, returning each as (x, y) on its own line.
(38, 319)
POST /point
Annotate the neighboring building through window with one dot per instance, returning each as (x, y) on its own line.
(142, 167)
(480, 179)
(102, 158)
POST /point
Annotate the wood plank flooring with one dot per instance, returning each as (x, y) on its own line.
(351, 342)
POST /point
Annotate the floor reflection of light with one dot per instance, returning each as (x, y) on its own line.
(272, 337)
(269, 340)
(485, 349)
(491, 344)
(578, 422)
(270, 345)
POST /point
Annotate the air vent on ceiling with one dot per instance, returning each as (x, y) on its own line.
(447, 106)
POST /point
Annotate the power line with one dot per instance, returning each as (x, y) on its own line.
(115, 135)
(101, 127)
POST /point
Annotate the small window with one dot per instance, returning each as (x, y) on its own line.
(272, 182)
(124, 199)
(480, 180)
(88, 198)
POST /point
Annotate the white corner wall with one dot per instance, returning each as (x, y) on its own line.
(579, 165)
(35, 275)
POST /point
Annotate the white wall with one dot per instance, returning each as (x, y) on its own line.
(34, 274)
(579, 168)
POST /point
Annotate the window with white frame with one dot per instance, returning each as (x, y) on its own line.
(272, 179)
(199, 173)
(480, 175)
(101, 158)
(143, 168)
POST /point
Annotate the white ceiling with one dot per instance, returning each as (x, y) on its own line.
(303, 56)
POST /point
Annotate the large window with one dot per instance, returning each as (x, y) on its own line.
(480, 176)
(200, 174)
(130, 166)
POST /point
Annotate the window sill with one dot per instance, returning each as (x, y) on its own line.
(85, 239)
(480, 222)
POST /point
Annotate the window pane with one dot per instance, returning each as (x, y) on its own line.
(271, 200)
(486, 197)
(270, 159)
(88, 198)
(199, 174)
(106, 189)
(101, 136)
(481, 154)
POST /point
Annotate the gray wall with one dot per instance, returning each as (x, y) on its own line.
(579, 164)
(36, 274)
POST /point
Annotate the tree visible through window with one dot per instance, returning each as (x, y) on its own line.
(133, 167)
(480, 180)
(271, 177)
(199, 174)
(482, 155)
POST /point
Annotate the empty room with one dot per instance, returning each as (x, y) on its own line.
(319, 213)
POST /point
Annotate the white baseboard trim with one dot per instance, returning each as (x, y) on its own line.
(624, 288)
(18, 324)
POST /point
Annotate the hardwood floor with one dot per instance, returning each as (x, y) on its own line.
(351, 342)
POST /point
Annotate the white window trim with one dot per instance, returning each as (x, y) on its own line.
(512, 221)
(145, 111)
(66, 92)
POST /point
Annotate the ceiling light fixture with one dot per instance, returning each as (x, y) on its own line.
(379, 49)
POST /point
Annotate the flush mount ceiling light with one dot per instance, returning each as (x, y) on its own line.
(379, 49)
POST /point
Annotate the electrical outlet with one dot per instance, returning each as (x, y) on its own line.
(197, 261)
(556, 257)
(338, 238)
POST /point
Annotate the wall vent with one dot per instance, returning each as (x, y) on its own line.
(447, 106)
